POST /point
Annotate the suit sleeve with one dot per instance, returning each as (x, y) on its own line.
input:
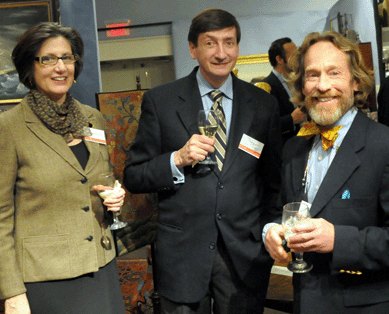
(11, 281)
(148, 167)
(366, 248)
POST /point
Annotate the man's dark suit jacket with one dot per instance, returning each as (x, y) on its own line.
(383, 102)
(354, 278)
(288, 128)
(233, 205)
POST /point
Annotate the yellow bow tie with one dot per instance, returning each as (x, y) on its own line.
(328, 135)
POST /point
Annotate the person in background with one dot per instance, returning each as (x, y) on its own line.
(291, 116)
(209, 250)
(56, 254)
(338, 163)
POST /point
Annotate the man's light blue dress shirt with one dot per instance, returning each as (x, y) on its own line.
(205, 90)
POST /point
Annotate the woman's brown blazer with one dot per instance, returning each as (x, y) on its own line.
(50, 222)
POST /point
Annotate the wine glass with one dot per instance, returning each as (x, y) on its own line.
(108, 179)
(295, 214)
(208, 122)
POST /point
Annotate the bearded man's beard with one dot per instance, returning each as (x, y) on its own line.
(328, 114)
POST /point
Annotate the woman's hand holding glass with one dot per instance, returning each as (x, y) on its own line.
(115, 201)
(113, 194)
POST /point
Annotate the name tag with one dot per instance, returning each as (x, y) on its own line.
(251, 146)
(304, 208)
(97, 136)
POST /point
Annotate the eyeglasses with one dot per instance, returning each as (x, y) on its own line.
(53, 60)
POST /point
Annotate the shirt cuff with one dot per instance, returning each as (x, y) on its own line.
(266, 229)
(178, 174)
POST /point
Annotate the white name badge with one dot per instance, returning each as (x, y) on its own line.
(304, 208)
(251, 146)
(97, 136)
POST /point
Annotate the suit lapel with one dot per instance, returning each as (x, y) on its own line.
(281, 91)
(56, 142)
(344, 164)
(242, 117)
(191, 103)
(242, 114)
(52, 140)
(299, 160)
(281, 87)
(93, 148)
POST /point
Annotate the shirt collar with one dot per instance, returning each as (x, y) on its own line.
(205, 88)
(279, 76)
(346, 119)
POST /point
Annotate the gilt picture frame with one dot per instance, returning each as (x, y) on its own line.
(249, 67)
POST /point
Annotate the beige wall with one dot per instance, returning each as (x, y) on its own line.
(122, 60)
(121, 75)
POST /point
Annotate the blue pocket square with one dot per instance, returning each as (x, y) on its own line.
(346, 195)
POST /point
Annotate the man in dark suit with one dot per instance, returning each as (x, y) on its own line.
(341, 167)
(210, 218)
(291, 116)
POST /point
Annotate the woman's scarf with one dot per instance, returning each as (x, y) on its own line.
(65, 119)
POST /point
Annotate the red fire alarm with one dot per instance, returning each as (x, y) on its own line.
(118, 31)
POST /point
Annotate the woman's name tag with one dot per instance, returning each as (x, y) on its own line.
(97, 136)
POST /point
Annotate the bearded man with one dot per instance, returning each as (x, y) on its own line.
(339, 164)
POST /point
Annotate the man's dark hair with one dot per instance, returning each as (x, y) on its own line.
(277, 49)
(212, 20)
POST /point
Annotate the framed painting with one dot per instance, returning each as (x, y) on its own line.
(15, 18)
(121, 111)
(251, 67)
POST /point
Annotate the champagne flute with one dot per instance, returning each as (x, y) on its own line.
(296, 214)
(108, 179)
(208, 122)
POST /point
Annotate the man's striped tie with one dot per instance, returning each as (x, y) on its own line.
(221, 138)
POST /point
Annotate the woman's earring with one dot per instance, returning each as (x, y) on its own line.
(74, 81)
